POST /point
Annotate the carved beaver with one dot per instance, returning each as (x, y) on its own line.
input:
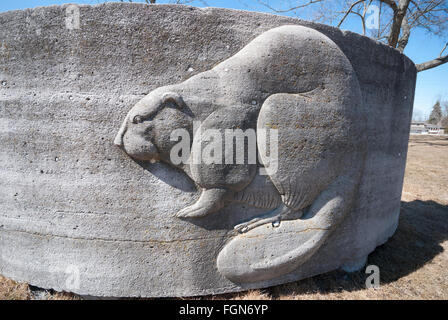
(291, 78)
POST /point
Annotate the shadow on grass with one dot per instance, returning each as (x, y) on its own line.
(422, 227)
(442, 141)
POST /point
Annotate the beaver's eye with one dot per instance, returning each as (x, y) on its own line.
(137, 119)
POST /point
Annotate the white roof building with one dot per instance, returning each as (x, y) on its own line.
(418, 127)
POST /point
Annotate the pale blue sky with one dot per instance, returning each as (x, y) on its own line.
(431, 84)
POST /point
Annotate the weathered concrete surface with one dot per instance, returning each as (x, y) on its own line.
(72, 204)
(291, 79)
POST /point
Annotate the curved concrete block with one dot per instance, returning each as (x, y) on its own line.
(78, 213)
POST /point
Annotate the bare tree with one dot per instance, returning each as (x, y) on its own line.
(396, 19)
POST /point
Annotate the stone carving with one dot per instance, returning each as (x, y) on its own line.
(73, 201)
(291, 79)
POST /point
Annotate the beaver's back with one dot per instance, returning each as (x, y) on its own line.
(287, 59)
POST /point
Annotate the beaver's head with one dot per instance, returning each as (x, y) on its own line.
(145, 132)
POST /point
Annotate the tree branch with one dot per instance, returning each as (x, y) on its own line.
(289, 9)
(399, 14)
(391, 4)
(379, 20)
(348, 11)
(432, 63)
(405, 33)
(443, 49)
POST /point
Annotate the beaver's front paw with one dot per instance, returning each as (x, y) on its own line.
(193, 211)
(211, 200)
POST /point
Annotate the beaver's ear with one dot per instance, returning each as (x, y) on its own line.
(175, 98)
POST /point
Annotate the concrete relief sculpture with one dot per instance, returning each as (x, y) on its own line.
(254, 149)
(295, 91)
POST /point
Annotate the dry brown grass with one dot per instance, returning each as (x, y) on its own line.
(10, 290)
(413, 263)
(426, 175)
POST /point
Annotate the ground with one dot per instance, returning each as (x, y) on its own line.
(413, 263)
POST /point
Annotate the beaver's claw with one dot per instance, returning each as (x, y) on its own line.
(246, 226)
(274, 217)
(242, 227)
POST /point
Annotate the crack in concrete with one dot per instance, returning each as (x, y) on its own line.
(224, 237)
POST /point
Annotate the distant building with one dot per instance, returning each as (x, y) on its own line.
(418, 127)
(435, 129)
